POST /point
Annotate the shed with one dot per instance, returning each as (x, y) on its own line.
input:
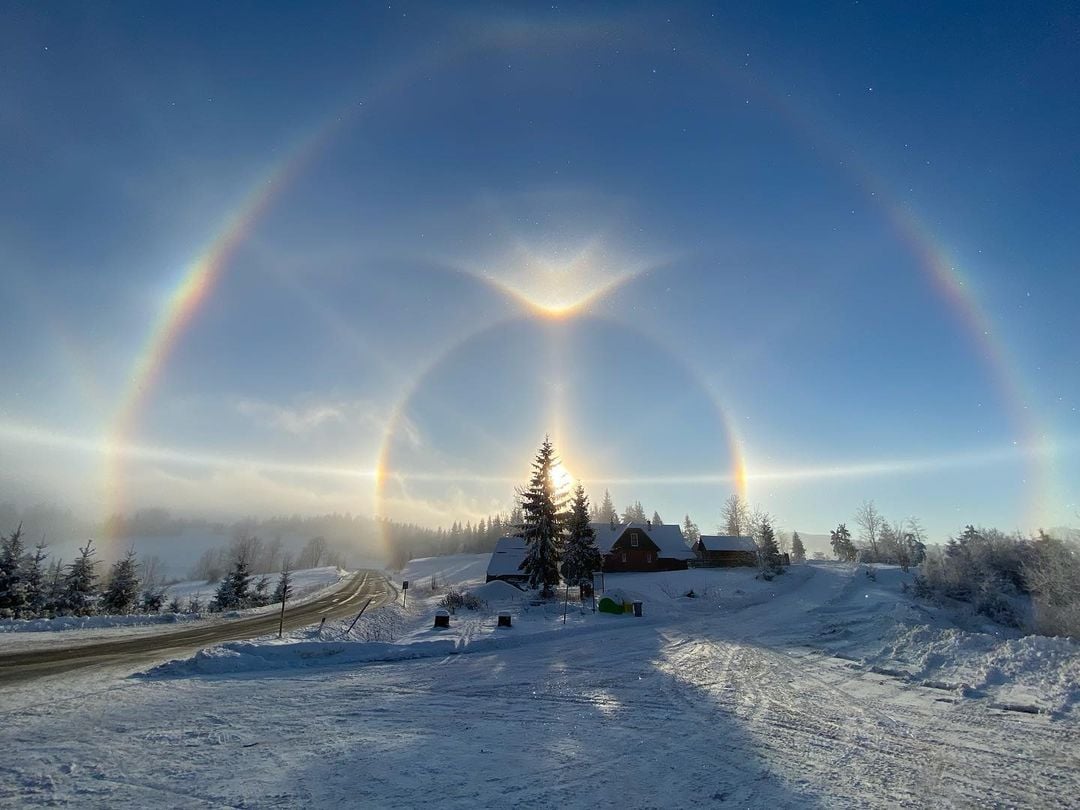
(726, 550)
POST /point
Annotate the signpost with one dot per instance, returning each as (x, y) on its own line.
(404, 591)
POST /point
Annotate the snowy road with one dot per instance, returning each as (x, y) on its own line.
(731, 709)
(162, 643)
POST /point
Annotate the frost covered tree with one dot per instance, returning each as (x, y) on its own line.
(123, 589)
(871, 524)
(606, 512)
(768, 551)
(81, 582)
(260, 595)
(798, 550)
(234, 590)
(37, 590)
(735, 516)
(656, 519)
(634, 513)
(581, 557)
(284, 588)
(543, 521)
(690, 530)
(153, 598)
(843, 548)
(12, 584)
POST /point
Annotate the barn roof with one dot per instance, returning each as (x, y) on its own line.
(668, 537)
(728, 542)
(507, 557)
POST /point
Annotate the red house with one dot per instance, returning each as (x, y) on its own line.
(642, 546)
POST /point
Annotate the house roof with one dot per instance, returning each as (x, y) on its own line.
(667, 537)
(728, 542)
(507, 557)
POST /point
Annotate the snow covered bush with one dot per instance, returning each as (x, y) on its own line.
(1053, 576)
(1013, 581)
(456, 598)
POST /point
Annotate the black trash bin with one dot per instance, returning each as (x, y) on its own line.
(637, 608)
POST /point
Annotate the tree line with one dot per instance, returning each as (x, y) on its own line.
(34, 586)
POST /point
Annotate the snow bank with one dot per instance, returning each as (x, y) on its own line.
(92, 622)
(877, 624)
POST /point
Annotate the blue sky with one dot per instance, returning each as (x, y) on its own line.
(713, 193)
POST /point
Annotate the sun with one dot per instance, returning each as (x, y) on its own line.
(560, 476)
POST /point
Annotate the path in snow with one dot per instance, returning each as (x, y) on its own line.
(703, 711)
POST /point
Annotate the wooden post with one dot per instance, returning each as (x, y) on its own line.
(358, 615)
(281, 621)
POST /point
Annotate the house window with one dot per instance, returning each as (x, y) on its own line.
(624, 556)
(648, 557)
(633, 540)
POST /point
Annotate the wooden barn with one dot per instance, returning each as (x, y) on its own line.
(725, 550)
(642, 547)
(506, 559)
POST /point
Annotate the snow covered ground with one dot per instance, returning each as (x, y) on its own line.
(821, 688)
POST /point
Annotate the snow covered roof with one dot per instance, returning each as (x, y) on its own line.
(728, 542)
(507, 557)
(668, 537)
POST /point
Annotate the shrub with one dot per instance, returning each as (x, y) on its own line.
(456, 599)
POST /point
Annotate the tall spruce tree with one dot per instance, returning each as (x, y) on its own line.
(81, 582)
(582, 557)
(543, 522)
(12, 584)
(656, 519)
(607, 513)
(798, 550)
(37, 590)
(123, 589)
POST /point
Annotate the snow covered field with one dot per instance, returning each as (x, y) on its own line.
(821, 688)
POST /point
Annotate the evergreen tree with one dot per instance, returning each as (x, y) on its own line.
(234, 590)
(284, 589)
(194, 604)
(81, 582)
(606, 512)
(798, 550)
(12, 584)
(123, 588)
(768, 551)
(544, 522)
(657, 520)
(690, 531)
(174, 605)
(843, 548)
(153, 598)
(261, 595)
(37, 591)
(54, 587)
(582, 557)
(634, 513)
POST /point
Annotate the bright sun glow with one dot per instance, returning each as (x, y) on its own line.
(560, 476)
